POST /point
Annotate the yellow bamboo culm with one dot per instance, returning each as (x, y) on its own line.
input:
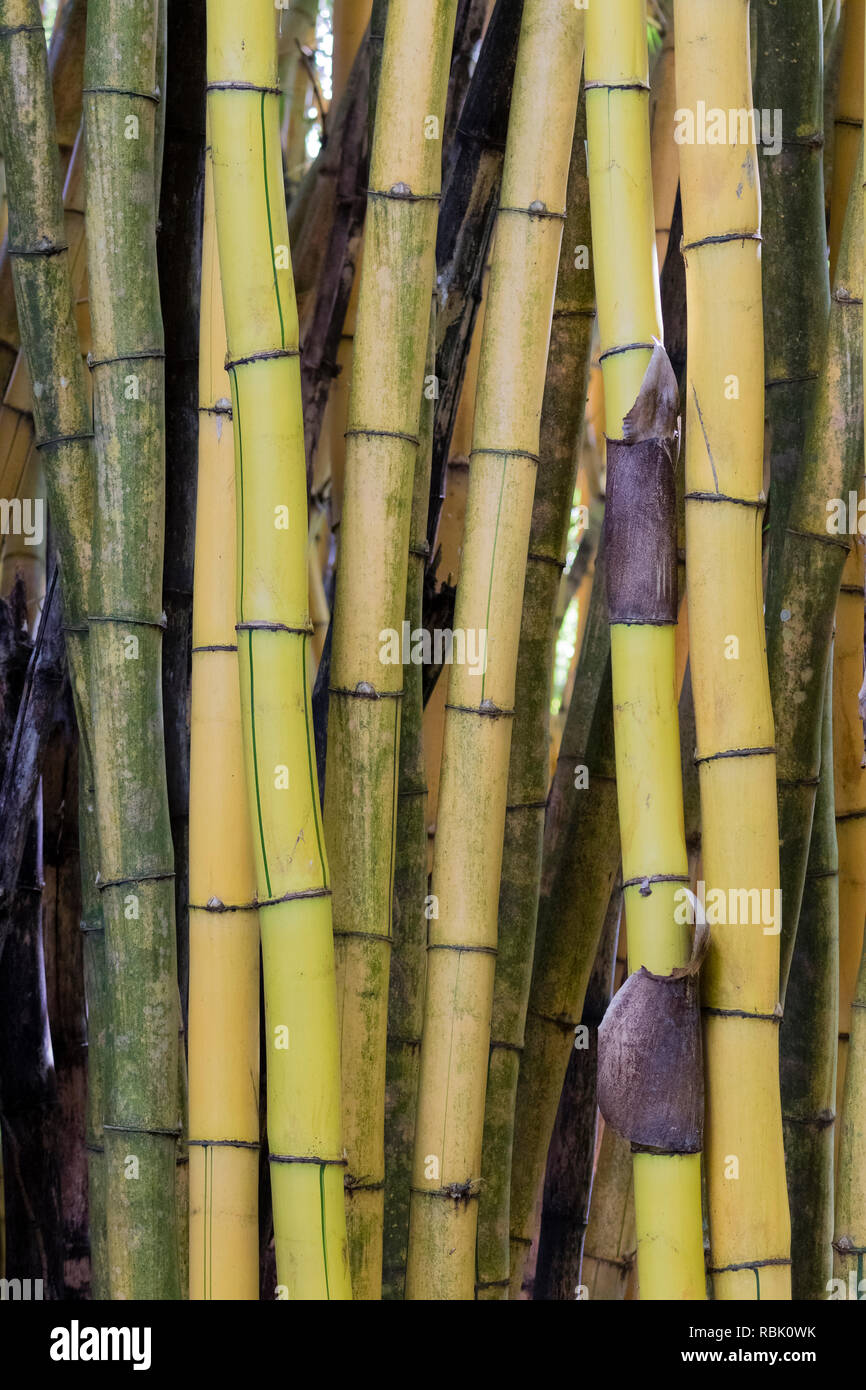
(361, 781)
(847, 121)
(472, 797)
(223, 923)
(273, 632)
(745, 1174)
(667, 1187)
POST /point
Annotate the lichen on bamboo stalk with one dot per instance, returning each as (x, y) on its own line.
(795, 282)
(471, 819)
(571, 1158)
(292, 879)
(365, 693)
(803, 589)
(224, 929)
(561, 417)
(744, 1159)
(45, 285)
(136, 860)
(409, 958)
(581, 855)
(809, 1044)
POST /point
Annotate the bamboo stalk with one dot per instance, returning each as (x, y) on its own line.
(803, 590)
(224, 949)
(580, 859)
(809, 1043)
(466, 869)
(571, 1159)
(749, 1224)
(642, 605)
(610, 1247)
(795, 283)
(847, 122)
(849, 1243)
(51, 343)
(472, 180)
(350, 21)
(136, 860)
(561, 417)
(665, 159)
(409, 957)
(364, 715)
(273, 627)
(850, 784)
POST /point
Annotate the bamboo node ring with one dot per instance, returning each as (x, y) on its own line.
(146, 354)
(43, 248)
(103, 883)
(122, 620)
(535, 210)
(486, 709)
(153, 96)
(305, 1158)
(64, 439)
(507, 453)
(232, 362)
(743, 1013)
(642, 883)
(383, 434)
(10, 30)
(736, 753)
(402, 193)
(545, 559)
(636, 86)
(759, 503)
(626, 347)
(243, 87)
(142, 1129)
(365, 691)
(224, 1144)
(450, 946)
(264, 626)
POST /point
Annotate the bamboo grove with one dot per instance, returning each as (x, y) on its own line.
(432, 763)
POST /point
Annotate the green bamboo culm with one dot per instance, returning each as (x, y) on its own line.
(561, 418)
(803, 589)
(136, 869)
(293, 892)
(446, 1172)
(808, 1042)
(579, 864)
(45, 304)
(794, 276)
(409, 956)
(361, 781)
